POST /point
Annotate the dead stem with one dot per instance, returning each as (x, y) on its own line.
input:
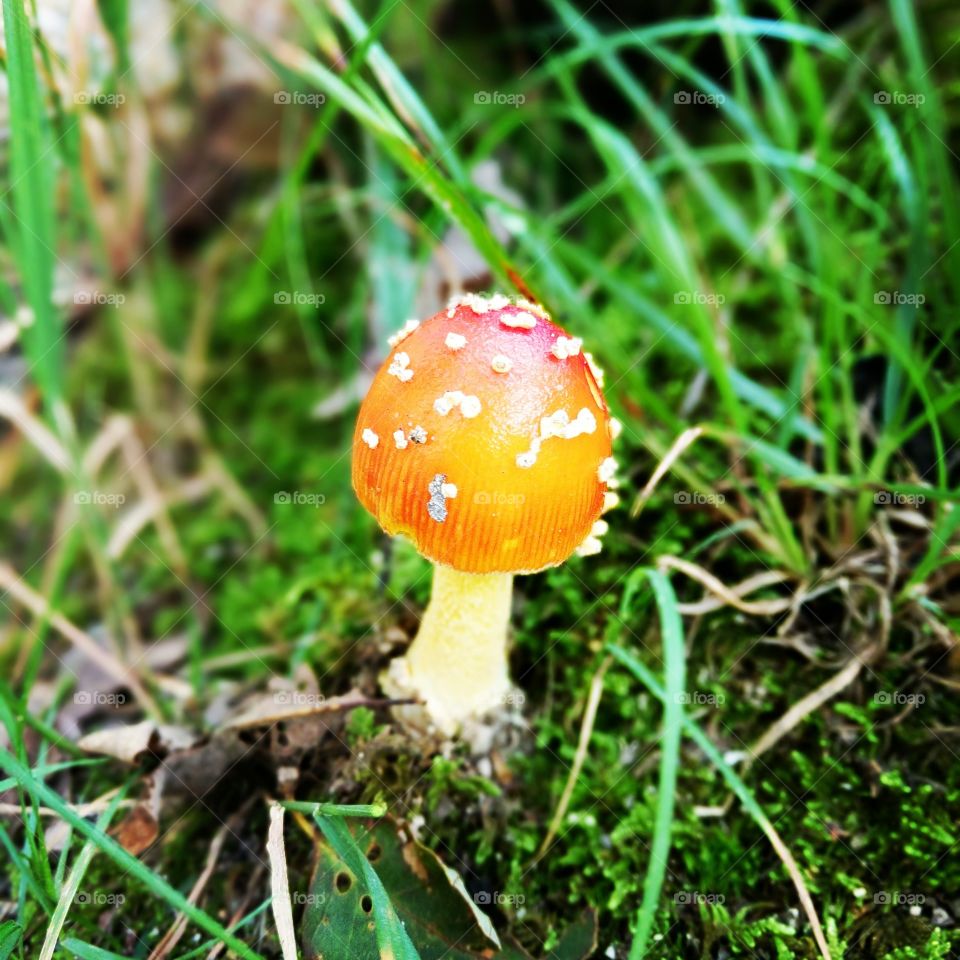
(37, 605)
(586, 729)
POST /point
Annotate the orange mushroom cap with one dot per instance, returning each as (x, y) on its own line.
(485, 439)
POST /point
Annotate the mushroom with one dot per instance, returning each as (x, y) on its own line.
(508, 474)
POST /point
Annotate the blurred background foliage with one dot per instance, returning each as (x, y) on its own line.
(214, 213)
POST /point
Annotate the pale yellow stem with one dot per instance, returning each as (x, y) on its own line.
(457, 665)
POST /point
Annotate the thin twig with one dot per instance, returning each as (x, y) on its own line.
(796, 715)
(586, 729)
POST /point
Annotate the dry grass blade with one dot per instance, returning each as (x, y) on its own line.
(38, 606)
(68, 891)
(793, 871)
(138, 466)
(586, 728)
(280, 884)
(758, 608)
(253, 892)
(172, 937)
(141, 515)
(810, 703)
(12, 408)
(108, 439)
(81, 809)
(686, 439)
(766, 578)
(9, 334)
(214, 468)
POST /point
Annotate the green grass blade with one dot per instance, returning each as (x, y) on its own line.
(935, 132)
(727, 213)
(401, 94)
(69, 891)
(115, 15)
(751, 392)
(14, 709)
(107, 845)
(335, 809)
(782, 118)
(914, 205)
(946, 527)
(31, 232)
(27, 878)
(423, 169)
(674, 659)
(204, 948)
(736, 785)
(45, 770)
(87, 951)
(392, 275)
(10, 934)
(590, 45)
(785, 161)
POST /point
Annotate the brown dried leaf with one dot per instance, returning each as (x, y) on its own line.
(134, 742)
(137, 831)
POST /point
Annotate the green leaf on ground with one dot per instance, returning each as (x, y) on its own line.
(10, 933)
(429, 900)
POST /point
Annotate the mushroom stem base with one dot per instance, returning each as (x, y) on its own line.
(457, 665)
